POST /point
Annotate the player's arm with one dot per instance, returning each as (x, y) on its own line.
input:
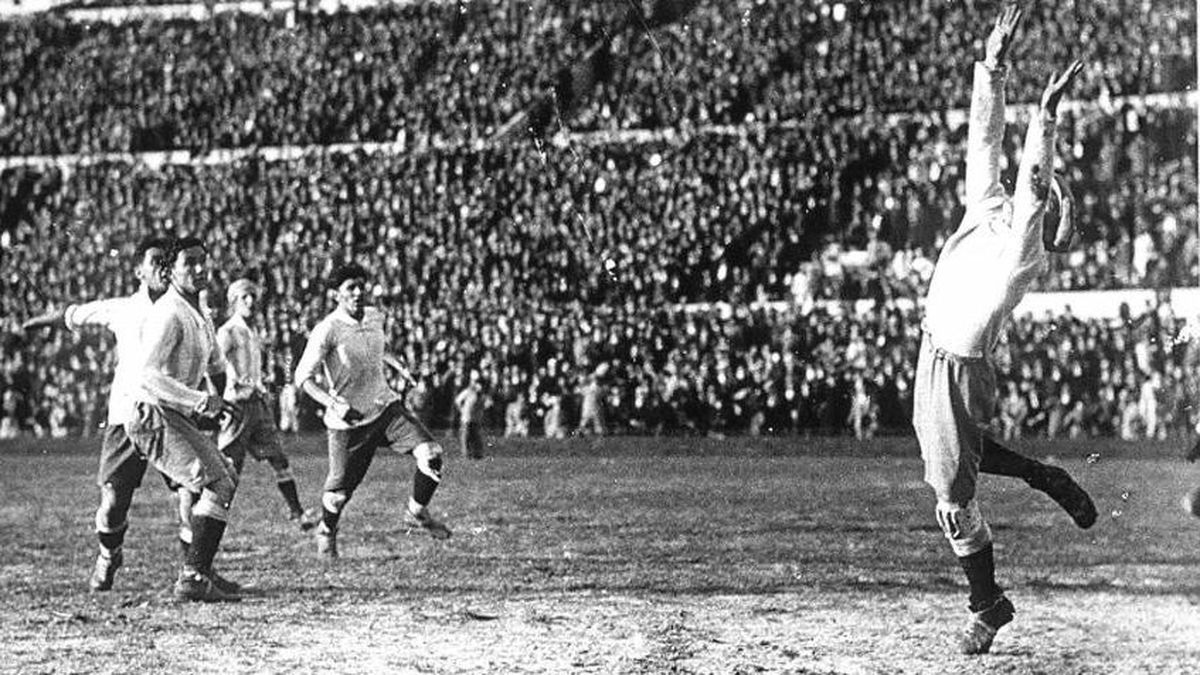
(52, 319)
(161, 336)
(95, 313)
(306, 376)
(985, 129)
(402, 370)
(1037, 167)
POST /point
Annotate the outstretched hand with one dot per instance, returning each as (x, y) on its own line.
(1058, 85)
(1001, 37)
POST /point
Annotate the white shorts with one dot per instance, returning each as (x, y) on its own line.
(953, 401)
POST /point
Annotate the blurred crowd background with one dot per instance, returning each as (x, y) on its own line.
(656, 217)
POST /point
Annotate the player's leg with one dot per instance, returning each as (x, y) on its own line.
(475, 440)
(190, 458)
(350, 454)
(120, 474)
(950, 397)
(261, 440)
(404, 433)
(464, 439)
(1052, 480)
(185, 503)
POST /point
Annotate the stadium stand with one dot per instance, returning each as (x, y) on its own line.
(551, 188)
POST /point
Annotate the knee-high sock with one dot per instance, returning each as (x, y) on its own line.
(290, 495)
(999, 460)
(111, 542)
(980, 568)
(423, 488)
(207, 533)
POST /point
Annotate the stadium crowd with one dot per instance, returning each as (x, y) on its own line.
(560, 275)
(448, 72)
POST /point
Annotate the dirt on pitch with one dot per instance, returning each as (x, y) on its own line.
(621, 556)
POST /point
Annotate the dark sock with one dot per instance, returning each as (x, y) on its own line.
(423, 485)
(206, 539)
(330, 519)
(980, 568)
(423, 488)
(999, 460)
(288, 488)
(111, 541)
(184, 548)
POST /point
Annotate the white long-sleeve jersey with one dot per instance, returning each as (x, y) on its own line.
(180, 349)
(124, 317)
(989, 263)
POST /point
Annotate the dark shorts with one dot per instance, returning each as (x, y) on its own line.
(254, 434)
(351, 450)
(172, 443)
(121, 464)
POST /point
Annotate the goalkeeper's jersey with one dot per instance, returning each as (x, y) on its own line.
(990, 262)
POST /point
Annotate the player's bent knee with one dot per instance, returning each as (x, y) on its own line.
(211, 505)
(334, 501)
(964, 527)
(429, 459)
(219, 491)
(113, 509)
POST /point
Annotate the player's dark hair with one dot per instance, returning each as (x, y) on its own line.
(161, 243)
(347, 271)
(181, 244)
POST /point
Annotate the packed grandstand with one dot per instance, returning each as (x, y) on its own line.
(722, 213)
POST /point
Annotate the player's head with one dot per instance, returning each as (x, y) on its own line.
(150, 255)
(1058, 222)
(187, 265)
(241, 296)
(349, 285)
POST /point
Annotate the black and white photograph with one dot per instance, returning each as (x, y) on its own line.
(811, 337)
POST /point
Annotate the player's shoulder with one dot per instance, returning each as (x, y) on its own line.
(373, 315)
(325, 326)
(230, 326)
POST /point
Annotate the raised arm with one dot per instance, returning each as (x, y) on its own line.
(985, 130)
(1037, 161)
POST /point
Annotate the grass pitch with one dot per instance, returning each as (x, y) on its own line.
(615, 556)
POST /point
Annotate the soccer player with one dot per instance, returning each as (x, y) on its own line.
(983, 271)
(469, 403)
(253, 432)
(362, 413)
(180, 349)
(121, 465)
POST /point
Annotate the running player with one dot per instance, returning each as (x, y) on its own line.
(362, 413)
(254, 432)
(983, 271)
(121, 465)
(180, 348)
